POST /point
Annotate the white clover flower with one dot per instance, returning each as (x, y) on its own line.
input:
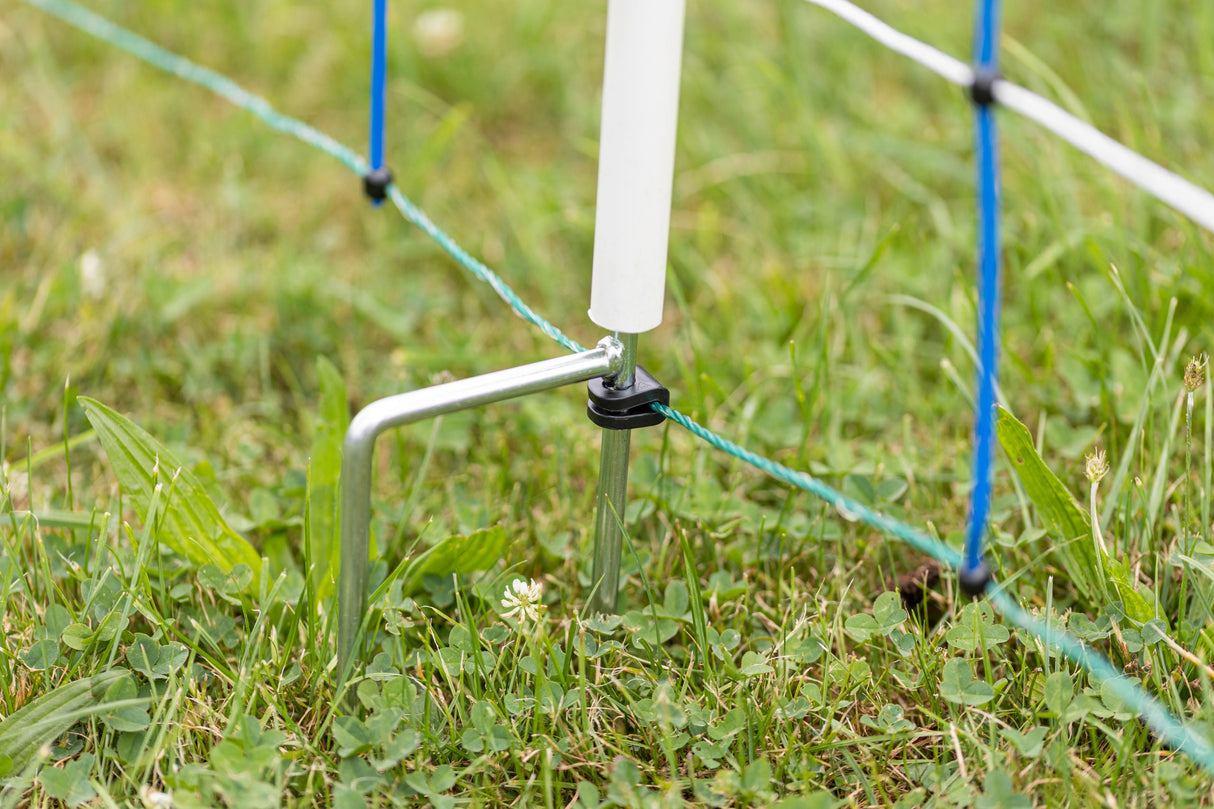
(92, 275)
(155, 800)
(438, 32)
(522, 601)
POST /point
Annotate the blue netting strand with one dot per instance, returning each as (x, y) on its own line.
(988, 291)
(379, 80)
(988, 332)
(986, 39)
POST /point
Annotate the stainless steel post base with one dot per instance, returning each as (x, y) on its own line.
(611, 500)
(609, 519)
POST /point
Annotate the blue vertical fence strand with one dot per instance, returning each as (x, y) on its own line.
(987, 33)
(986, 146)
(1170, 729)
(988, 331)
(379, 80)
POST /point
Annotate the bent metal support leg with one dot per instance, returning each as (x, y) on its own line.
(605, 360)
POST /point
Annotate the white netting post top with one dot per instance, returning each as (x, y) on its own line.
(636, 162)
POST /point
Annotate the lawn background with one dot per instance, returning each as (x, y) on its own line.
(823, 201)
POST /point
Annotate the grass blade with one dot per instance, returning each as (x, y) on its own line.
(457, 554)
(324, 472)
(1076, 550)
(47, 717)
(191, 523)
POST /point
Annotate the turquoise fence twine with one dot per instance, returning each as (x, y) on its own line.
(183, 68)
(465, 259)
(1164, 724)
(845, 505)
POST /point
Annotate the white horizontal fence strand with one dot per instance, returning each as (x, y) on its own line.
(1168, 187)
(937, 61)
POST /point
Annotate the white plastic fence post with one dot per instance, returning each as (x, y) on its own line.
(641, 71)
(636, 163)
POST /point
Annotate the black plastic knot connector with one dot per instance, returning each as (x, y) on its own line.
(975, 580)
(627, 409)
(982, 88)
(376, 182)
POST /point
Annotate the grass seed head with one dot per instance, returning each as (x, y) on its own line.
(1195, 372)
(1097, 466)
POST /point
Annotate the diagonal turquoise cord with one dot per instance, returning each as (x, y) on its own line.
(847, 506)
(1162, 722)
(418, 217)
(179, 66)
(1159, 719)
(183, 68)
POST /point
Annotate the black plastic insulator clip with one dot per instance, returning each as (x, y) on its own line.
(629, 408)
(376, 182)
(982, 88)
(975, 580)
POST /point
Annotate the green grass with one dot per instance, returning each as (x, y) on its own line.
(821, 269)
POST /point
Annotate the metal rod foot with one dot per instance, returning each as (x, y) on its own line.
(612, 498)
(607, 359)
(611, 504)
